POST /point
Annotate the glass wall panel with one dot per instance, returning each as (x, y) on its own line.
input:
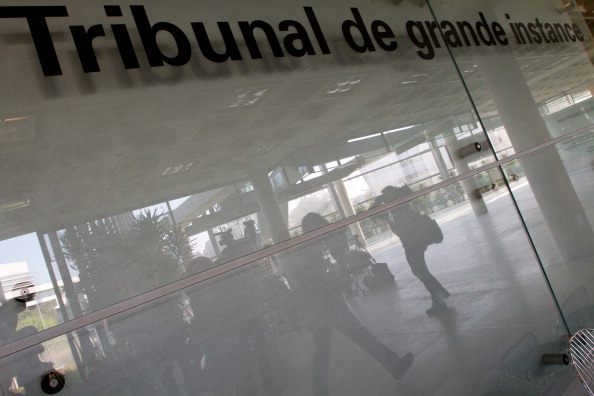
(157, 147)
(310, 108)
(565, 252)
(526, 66)
(454, 294)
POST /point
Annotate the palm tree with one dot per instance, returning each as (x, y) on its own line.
(114, 265)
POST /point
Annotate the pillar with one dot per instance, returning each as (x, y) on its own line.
(70, 291)
(545, 172)
(437, 157)
(347, 207)
(214, 242)
(469, 185)
(63, 310)
(270, 209)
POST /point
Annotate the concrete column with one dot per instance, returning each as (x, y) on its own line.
(347, 207)
(469, 185)
(548, 178)
(437, 157)
(214, 242)
(60, 300)
(334, 195)
(70, 291)
(271, 211)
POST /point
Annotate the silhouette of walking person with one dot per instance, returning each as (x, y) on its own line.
(416, 232)
(327, 309)
(250, 234)
(230, 333)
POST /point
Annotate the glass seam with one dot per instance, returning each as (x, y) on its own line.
(500, 166)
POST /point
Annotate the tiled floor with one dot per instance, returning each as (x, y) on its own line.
(501, 319)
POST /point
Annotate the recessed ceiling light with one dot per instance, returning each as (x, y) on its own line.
(172, 170)
(16, 129)
(247, 97)
(8, 206)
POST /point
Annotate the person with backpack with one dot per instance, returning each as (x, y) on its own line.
(416, 232)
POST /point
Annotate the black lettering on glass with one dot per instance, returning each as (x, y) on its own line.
(315, 26)
(247, 29)
(499, 33)
(482, 27)
(358, 25)
(464, 26)
(300, 35)
(542, 33)
(535, 36)
(231, 49)
(450, 34)
(40, 33)
(83, 40)
(148, 35)
(578, 32)
(381, 31)
(421, 40)
(122, 37)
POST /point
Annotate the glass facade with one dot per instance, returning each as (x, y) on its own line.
(244, 198)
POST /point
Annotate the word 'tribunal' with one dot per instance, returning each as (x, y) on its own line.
(360, 36)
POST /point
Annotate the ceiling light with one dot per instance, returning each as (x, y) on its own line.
(16, 129)
(399, 129)
(344, 84)
(172, 170)
(247, 97)
(8, 206)
(363, 138)
(379, 134)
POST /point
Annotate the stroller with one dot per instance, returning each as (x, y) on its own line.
(376, 274)
(380, 276)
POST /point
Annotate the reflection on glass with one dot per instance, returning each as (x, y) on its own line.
(278, 325)
(114, 262)
(30, 295)
(254, 148)
(548, 80)
(416, 232)
(564, 245)
(110, 259)
(325, 307)
(11, 329)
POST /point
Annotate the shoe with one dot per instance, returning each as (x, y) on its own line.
(437, 308)
(403, 365)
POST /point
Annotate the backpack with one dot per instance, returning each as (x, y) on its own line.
(413, 228)
(430, 230)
